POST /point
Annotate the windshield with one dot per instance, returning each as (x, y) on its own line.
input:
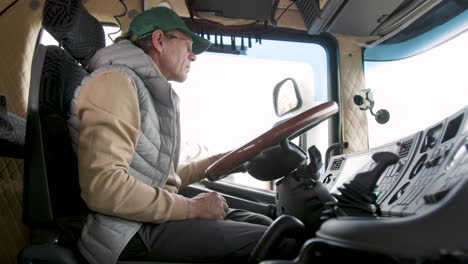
(418, 91)
(227, 99)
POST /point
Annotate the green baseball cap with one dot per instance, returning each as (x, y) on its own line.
(164, 19)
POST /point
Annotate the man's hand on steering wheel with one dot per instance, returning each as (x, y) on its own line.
(284, 131)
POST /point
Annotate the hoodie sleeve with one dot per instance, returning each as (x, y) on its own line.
(195, 170)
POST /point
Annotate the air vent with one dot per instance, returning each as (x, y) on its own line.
(405, 148)
(336, 165)
(309, 10)
(315, 19)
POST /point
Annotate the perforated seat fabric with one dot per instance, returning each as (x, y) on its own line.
(77, 31)
(60, 76)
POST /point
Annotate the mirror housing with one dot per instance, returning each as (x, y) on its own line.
(286, 97)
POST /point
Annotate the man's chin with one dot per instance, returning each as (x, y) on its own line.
(180, 79)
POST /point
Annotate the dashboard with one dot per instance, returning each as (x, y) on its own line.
(422, 197)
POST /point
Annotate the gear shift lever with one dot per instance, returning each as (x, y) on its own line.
(357, 197)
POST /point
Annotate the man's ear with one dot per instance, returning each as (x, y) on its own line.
(157, 39)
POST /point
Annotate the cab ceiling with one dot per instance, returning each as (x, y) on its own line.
(359, 18)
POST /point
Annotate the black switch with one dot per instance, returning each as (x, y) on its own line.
(435, 197)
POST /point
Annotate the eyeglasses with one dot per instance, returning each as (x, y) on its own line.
(187, 41)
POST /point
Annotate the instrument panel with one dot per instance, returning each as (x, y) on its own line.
(425, 166)
(422, 197)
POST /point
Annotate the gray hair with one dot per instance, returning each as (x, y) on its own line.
(146, 43)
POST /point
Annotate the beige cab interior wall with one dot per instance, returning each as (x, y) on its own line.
(19, 27)
(353, 120)
(177, 5)
(291, 18)
(105, 11)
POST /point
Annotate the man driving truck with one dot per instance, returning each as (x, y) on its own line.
(128, 144)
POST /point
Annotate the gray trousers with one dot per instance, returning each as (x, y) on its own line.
(229, 240)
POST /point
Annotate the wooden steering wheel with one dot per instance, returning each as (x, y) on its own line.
(289, 129)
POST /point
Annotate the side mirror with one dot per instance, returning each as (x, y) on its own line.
(286, 97)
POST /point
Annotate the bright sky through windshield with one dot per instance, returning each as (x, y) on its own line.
(418, 91)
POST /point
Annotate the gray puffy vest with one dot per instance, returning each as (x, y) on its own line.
(104, 237)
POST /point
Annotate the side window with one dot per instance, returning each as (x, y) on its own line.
(227, 100)
(47, 39)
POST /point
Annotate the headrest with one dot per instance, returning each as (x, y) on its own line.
(61, 75)
(70, 24)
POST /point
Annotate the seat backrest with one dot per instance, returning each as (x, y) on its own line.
(51, 189)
